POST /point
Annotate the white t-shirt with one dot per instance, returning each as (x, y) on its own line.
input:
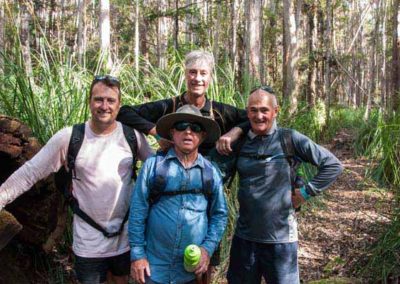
(102, 188)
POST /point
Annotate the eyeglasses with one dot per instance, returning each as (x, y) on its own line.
(108, 79)
(264, 88)
(182, 125)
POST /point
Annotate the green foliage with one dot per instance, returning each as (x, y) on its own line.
(385, 254)
(379, 139)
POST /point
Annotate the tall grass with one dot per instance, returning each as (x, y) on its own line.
(379, 139)
(55, 96)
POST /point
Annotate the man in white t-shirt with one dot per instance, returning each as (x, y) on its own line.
(102, 185)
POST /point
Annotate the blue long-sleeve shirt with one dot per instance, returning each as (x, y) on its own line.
(266, 213)
(162, 231)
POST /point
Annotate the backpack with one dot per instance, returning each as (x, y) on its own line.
(63, 178)
(159, 182)
(285, 138)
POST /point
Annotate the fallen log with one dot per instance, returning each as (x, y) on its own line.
(9, 227)
(36, 210)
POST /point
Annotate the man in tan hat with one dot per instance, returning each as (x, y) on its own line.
(178, 200)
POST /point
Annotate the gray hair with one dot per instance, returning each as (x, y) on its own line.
(261, 92)
(199, 56)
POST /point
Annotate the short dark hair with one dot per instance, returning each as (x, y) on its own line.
(108, 80)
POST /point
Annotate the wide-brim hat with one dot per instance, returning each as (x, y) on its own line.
(188, 113)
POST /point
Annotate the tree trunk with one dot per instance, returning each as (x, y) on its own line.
(327, 70)
(312, 35)
(25, 37)
(216, 36)
(384, 64)
(253, 42)
(290, 56)
(162, 35)
(137, 33)
(2, 34)
(373, 78)
(188, 23)
(234, 22)
(81, 31)
(176, 25)
(396, 56)
(105, 32)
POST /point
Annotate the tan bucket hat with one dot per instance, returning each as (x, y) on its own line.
(188, 113)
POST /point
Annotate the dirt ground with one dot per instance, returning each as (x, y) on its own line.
(335, 232)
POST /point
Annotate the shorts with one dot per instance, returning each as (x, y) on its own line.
(251, 261)
(94, 269)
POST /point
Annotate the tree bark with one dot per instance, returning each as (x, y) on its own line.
(137, 37)
(312, 35)
(327, 69)
(81, 32)
(253, 42)
(373, 63)
(290, 56)
(396, 56)
(216, 35)
(25, 37)
(234, 21)
(2, 34)
(162, 35)
(105, 32)
(176, 25)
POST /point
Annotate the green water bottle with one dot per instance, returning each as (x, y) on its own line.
(191, 257)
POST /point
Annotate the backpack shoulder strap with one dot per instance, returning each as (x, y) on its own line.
(130, 137)
(207, 175)
(238, 149)
(63, 177)
(159, 181)
(285, 137)
(75, 143)
(216, 113)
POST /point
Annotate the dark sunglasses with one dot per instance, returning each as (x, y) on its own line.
(108, 79)
(265, 88)
(182, 125)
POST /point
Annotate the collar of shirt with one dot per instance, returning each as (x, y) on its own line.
(206, 108)
(199, 160)
(252, 135)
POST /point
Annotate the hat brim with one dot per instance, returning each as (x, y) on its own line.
(165, 124)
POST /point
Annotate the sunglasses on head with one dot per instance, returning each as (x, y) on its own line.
(183, 125)
(108, 79)
(265, 88)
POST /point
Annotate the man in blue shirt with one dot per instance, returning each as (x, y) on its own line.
(265, 240)
(189, 208)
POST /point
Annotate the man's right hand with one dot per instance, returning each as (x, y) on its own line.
(224, 143)
(139, 270)
(165, 144)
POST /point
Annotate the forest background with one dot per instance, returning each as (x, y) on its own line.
(334, 64)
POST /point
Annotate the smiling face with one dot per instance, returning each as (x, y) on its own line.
(261, 111)
(104, 105)
(198, 77)
(186, 141)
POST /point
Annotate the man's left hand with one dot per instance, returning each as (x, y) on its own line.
(204, 262)
(297, 198)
